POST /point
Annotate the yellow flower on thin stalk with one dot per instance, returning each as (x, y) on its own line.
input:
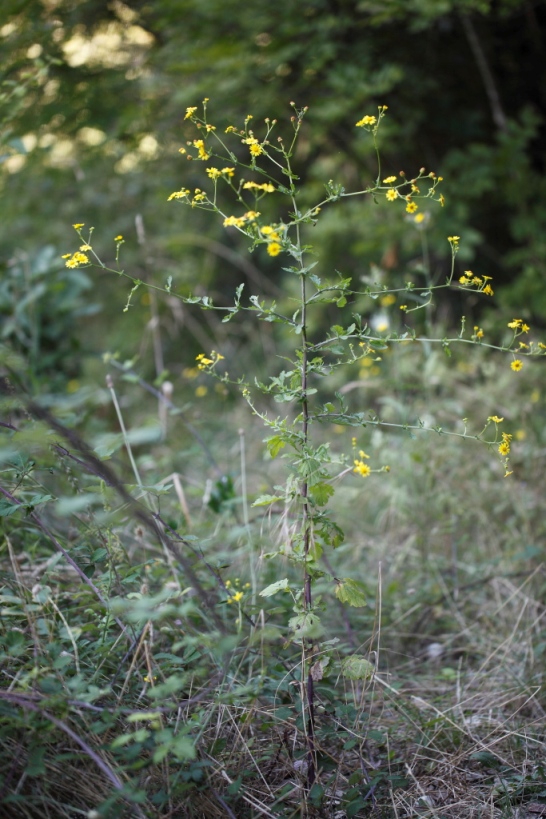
(516, 365)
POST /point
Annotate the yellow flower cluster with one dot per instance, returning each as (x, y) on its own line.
(481, 283)
(215, 173)
(518, 326)
(78, 258)
(367, 120)
(200, 145)
(273, 239)
(254, 146)
(237, 594)
(181, 194)
(239, 221)
(265, 186)
(504, 446)
(360, 467)
(204, 363)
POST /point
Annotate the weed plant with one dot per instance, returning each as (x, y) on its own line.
(195, 626)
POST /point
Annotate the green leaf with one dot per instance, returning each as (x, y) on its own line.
(351, 591)
(341, 302)
(306, 625)
(266, 500)
(274, 445)
(321, 493)
(357, 668)
(35, 764)
(269, 591)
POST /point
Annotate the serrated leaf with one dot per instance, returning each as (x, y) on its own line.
(274, 445)
(306, 625)
(351, 592)
(341, 302)
(266, 500)
(269, 591)
(357, 667)
(321, 493)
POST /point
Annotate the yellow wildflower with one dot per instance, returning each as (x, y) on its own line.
(214, 173)
(516, 365)
(228, 172)
(274, 248)
(391, 194)
(77, 259)
(411, 207)
(78, 225)
(367, 120)
(266, 186)
(200, 145)
(389, 180)
(178, 194)
(504, 448)
(488, 290)
(361, 468)
(85, 247)
(495, 419)
(478, 332)
(118, 238)
(514, 324)
(235, 221)
(525, 328)
(190, 111)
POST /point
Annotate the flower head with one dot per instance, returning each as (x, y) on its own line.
(391, 194)
(190, 111)
(411, 207)
(183, 192)
(361, 468)
(367, 120)
(389, 180)
(77, 259)
(200, 145)
(516, 365)
(274, 248)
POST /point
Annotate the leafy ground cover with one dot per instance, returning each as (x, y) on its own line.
(143, 675)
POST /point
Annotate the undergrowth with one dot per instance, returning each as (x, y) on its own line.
(143, 674)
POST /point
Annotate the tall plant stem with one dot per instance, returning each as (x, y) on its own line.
(307, 581)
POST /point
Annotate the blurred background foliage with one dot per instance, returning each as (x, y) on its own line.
(93, 95)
